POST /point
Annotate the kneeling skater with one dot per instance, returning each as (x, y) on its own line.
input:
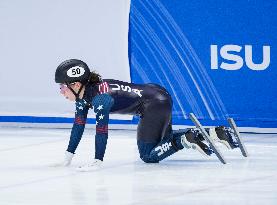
(155, 138)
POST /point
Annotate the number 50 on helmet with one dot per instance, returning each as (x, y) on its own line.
(72, 70)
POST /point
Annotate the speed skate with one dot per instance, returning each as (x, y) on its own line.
(237, 137)
(229, 136)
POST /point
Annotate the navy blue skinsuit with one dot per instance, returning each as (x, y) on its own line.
(151, 102)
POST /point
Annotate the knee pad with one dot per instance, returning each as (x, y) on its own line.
(147, 159)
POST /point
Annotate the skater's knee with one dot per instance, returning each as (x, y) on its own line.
(145, 152)
(148, 159)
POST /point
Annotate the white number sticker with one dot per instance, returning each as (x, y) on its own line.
(75, 71)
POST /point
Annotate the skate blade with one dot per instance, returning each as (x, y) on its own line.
(224, 143)
(208, 139)
(196, 147)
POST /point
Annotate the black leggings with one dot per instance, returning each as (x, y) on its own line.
(155, 138)
(155, 122)
(156, 114)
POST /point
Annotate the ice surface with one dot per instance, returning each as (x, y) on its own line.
(184, 178)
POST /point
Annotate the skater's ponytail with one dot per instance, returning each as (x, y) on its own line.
(94, 78)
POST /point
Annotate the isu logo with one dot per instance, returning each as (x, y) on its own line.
(233, 59)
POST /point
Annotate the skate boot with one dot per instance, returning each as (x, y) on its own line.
(224, 135)
(194, 139)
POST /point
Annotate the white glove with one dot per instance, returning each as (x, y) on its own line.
(94, 165)
(66, 162)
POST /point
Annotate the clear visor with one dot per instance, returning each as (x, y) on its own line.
(65, 87)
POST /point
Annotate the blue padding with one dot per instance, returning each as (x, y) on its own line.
(34, 119)
(180, 45)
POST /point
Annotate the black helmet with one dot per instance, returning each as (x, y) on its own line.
(72, 70)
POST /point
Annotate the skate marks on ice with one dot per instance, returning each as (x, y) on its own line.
(184, 178)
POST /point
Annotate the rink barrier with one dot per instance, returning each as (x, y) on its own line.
(66, 122)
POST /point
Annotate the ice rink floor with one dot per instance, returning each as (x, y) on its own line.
(26, 176)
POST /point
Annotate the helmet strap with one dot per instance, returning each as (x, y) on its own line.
(77, 95)
(79, 91)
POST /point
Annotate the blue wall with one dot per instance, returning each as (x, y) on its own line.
(170, 43)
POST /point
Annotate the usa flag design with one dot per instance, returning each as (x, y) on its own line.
(103, 88)
(102, 129)
(80, 120)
